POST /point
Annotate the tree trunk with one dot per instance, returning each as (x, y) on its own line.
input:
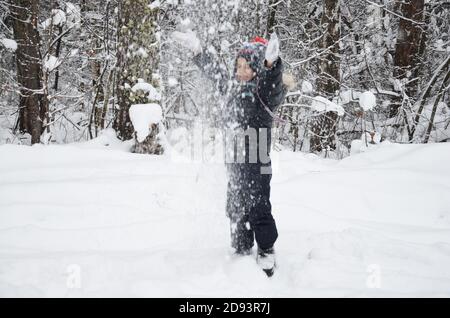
(138, 58)
(328, 81)
(97, 88)
(407, 49)
(32, 105)
(57, 54)
(445, 83)
(271, 17)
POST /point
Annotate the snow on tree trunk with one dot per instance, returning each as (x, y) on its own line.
(138, 69)
(328, 81)
(32, 105)
(146, 119)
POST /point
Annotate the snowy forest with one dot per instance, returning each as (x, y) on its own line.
(114, 117)
(364, 71)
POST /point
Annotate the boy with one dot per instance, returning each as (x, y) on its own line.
(260, 89)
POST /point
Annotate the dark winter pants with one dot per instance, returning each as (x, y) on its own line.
(249, 208)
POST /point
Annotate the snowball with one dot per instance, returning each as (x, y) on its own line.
(9, 44)
(307, 87)
(320, 103)
(367, 100)
(143, 116)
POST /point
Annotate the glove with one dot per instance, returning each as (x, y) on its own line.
(273, 49)
(189, 40)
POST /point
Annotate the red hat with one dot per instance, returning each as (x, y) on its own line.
(258, 39)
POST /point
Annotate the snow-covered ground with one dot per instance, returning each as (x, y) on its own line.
(89, 220)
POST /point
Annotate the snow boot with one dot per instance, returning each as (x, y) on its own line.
(266, 260)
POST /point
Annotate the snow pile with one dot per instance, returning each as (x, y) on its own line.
(143, 116)
(367, 140)
(367, 101)
(70, 17)
(9, 44)
(153, 93)
(347, 96)
(321, 104)
(92, 220)
(58, 18)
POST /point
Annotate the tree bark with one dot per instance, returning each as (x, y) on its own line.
(328, 81)
(407, 48)
(32, 105)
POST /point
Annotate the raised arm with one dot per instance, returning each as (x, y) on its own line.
(213, 70)
(270, 87)
(203, 59)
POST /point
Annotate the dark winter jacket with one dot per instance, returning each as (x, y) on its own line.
(252, 104)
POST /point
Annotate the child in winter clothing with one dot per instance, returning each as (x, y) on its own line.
(258, 69)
